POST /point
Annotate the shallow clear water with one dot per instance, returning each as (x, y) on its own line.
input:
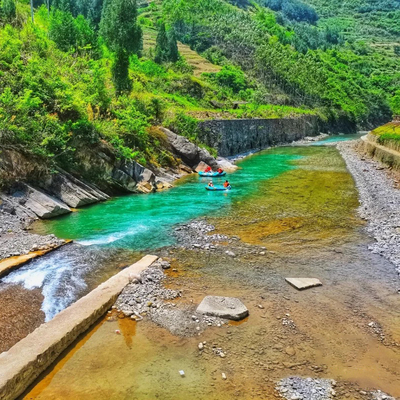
(109, 235)
(338, 138)
(306, 218)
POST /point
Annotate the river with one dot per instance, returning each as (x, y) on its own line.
(298, 202)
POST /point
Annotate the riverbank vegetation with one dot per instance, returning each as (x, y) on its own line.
(389, 135)
(86, 71)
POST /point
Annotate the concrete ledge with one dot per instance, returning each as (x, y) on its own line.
(384, 154)
(26, 360)
(11, 263)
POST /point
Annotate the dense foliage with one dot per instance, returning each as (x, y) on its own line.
(81, 76)
(312, 64)
(65, 87)
(166, 45)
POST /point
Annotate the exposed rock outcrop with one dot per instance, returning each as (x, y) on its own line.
(190, 154)
(42, 204)
(72, 191)
(33, 189)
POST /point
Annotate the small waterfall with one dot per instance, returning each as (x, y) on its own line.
(63, 275)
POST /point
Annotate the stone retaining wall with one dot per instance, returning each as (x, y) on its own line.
(380, 153)
(25, 361)
(232, 137)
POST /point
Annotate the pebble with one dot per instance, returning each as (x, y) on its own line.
(298, 388)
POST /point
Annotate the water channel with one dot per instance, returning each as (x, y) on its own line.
(298, 202)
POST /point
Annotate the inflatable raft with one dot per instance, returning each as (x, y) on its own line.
(212, 174)
(218, 188)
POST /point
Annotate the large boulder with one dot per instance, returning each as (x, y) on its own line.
(223, 307)
(144, 178)
(123, 180)
(226, 165)
(73, 194)
(188, 151)
(40, 203)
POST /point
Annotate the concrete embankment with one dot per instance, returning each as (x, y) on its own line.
(24, 362)
(384, 154)
(239, 136)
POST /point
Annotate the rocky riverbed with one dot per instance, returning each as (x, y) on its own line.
(379, 202)
(146, 296)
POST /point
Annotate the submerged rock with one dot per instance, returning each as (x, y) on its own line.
(223, 307)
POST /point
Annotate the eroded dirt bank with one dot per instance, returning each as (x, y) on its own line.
(302, 224)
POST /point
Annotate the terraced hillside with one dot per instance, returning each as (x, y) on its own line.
(200, 64)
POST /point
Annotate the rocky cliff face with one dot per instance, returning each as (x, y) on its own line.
(232, 137)
(32, 189)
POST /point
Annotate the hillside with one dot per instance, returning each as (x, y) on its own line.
(367, 20)
(89, 75)
(286, 47)
(58, 90)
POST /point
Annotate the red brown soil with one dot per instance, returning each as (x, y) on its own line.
(20, 314)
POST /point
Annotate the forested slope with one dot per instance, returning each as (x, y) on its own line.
(79, 77)
(285, 45)
(87, 73)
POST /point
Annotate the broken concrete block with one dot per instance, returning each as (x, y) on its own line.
(304, 283)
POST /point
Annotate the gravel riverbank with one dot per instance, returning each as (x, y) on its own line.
(380, 202)
(16, 240)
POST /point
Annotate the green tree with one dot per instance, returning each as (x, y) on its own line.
(166, 45)
(173, 53)
(63, 30)
(161, 45)
(123, 35)
(119, 26)
(120, 72)
(9, 10)
(94, 13)
(85, 35)
(62, 5)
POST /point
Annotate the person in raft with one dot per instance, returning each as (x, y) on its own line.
(220, 170)
(210, 184)
(208, 169)
(227, 184)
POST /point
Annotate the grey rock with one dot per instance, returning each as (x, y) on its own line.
(188, 151)
(42, 204)
(223, 307)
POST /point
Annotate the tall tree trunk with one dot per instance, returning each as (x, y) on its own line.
(32, 11)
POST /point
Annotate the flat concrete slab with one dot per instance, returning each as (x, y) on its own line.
(304, 283)
(223, 307)
(23, 363)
